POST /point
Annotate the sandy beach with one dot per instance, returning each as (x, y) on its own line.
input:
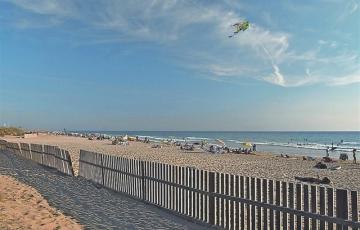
(23, 207)
(261, 165)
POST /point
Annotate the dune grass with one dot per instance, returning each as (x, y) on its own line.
(13, 131)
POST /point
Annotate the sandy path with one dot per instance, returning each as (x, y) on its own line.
(261, 165)
(92, 207)
(22, 207)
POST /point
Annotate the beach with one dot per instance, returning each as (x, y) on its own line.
(36, 197)
(260, 165)
(23, 207)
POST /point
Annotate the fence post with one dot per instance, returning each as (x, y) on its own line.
(211, 198)
(143, 193)
(102, 169)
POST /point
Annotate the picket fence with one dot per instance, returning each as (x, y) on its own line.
(224, 200)
(50, 156)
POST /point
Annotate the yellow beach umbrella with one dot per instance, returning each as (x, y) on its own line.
(247, 144)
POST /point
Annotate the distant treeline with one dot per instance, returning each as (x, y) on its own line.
(13, 131)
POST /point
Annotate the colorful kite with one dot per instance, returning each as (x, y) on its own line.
(240, 26)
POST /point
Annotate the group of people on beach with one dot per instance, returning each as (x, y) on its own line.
(353, 151)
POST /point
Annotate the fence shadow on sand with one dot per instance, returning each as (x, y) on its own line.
(91, 206)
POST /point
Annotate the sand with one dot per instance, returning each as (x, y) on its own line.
(22, 207)
(261, 165)
(93, 207)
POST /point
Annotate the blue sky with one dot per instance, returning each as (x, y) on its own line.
(169, 65)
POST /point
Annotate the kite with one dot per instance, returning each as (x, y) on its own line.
(240, 26)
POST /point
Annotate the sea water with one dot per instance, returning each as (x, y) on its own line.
(294, 143)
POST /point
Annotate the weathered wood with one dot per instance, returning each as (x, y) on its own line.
(37, 153)
(342, 206)
(211, 210)
(314, 206)
(248, 206)
(265, 200)
(330, 212)
(226, 202)
(206, 197)
(242, 195)
(229, 201)
(284, 192)
(306, 205)
(278, 203)
(222, 203)
(271, 201)
(253, 207)
(232, 203)
(25, 149)
(354, 207)
(237, 204)
(259, 198)
(291, 205)
(217, 208)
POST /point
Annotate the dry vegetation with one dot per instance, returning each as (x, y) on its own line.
(12, 131)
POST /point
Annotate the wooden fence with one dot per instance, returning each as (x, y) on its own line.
(50, 156)
(2, 144)
(224, 200)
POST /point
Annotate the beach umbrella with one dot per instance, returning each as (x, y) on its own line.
(247, 144)
(220, 142)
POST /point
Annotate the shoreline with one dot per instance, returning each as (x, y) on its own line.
(260, 165)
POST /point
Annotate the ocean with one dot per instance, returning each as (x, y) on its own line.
(294, 143)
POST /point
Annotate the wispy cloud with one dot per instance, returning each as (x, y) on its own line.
(197, 34)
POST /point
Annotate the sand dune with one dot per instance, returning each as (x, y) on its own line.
(22, 207)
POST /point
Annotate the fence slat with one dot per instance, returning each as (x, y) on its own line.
(330, 196)
(232, 203)
(291, 205)
(214, 197)
(265, 200)
(258, 198)
(271, 201)
(284, 192)
(248, 208)
(341, 206)
(227, 207)
(354, 207)
(211, 199)
(306, 205)
(277, 202)
(237, 204)
(253, 207)
(314, 206)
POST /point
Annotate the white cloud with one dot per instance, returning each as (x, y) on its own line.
(276, 78)
(197, 34)
(352, 6)
(346, 80)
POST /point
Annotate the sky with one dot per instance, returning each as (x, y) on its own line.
(170, 65)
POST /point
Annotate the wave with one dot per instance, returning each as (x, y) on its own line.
(346, 146)
(314, 146)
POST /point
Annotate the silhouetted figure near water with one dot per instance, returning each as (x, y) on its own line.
(354, 155)
(327, 152)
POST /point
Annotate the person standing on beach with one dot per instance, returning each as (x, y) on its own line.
(327, 151)
(354, 155)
